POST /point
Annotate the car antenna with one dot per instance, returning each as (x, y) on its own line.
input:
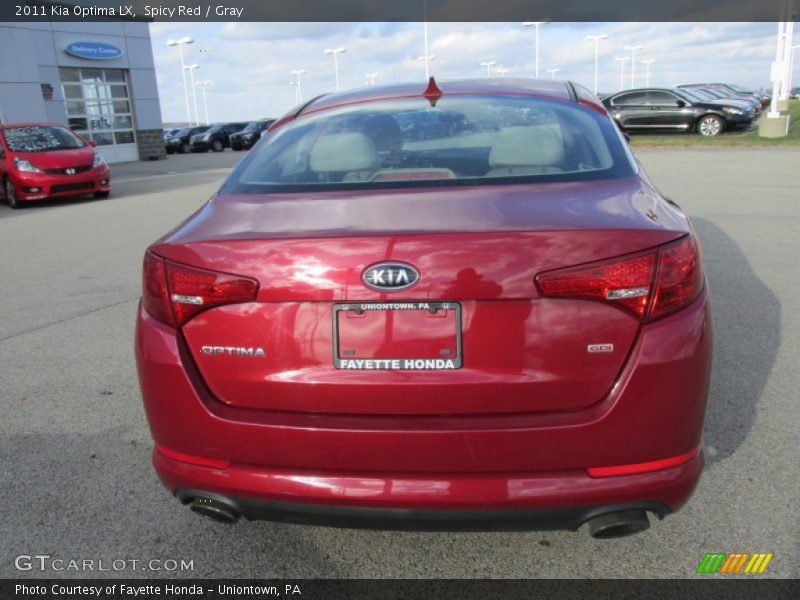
(433, 92)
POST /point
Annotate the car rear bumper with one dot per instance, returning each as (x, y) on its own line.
(537, 461)
(557, 500)
(39, 186)
(416, 519)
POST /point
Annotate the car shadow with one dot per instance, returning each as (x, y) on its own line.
(747, 335)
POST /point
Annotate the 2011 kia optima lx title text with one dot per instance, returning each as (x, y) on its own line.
(463, 306)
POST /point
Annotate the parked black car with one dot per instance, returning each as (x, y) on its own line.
(656, 109)
(711, 96)
(725, 92)
(217, 138)
(247, 137)
(179, 141)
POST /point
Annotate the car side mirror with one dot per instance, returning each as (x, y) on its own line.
(680, 103)
(92, 143)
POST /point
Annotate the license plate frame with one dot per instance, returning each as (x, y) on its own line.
(449, 363)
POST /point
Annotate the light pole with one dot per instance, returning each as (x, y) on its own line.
(488, 64)
(336, 52)
(622, 60)
(180, 43)
(503, 71)
(633, 50)
(553, 72)
(203, 85)
(427, 58)
(191, 69)
(371, 78)
(296, 83)
(647, 62)
(791, 69)
(536, 24)
(596, 39)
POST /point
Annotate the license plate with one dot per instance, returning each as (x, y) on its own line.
(413, 336)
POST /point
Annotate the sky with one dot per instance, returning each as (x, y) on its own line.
(249, 64)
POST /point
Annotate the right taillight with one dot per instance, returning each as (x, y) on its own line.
(680, 277)
(173, 293)
(650, 285)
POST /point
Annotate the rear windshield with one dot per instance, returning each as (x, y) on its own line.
(468, 140)
(41, 138)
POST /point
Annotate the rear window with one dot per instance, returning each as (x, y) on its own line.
(40, 138)
(468, 140)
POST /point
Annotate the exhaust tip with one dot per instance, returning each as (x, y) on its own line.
(213, 509)
(618, 524)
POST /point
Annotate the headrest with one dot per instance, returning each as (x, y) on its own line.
(527, 146)
(343, 152)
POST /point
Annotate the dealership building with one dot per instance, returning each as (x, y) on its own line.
(97, 78)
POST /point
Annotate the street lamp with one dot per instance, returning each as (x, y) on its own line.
(596, 39)
(622, 60)
(503, 71)
(336, 52)
(298, 96)
(488, 64)
(371, 78)
(536, 24)
(191, 69)
(553, 72)
(647, 62)
(427, 58)
(633, 50)
(203, 85)
(180, 43)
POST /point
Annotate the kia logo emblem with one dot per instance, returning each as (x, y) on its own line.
(390, 276)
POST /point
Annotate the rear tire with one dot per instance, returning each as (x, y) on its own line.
(217, 146)
(101, 195)
(710, 125)
(10, 192)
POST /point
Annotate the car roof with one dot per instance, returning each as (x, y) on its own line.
(538, 87)
(32, 124)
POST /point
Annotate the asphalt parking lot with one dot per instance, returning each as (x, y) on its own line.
(76, 480)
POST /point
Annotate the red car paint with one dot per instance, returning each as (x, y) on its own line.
(533, 419)
(53, 181)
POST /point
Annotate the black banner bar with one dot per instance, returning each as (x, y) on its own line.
(395, 589)
(400, 10)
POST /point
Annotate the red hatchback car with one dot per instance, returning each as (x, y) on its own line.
(39, 161)
(456, 307)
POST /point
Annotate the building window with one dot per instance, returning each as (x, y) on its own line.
(98, 104)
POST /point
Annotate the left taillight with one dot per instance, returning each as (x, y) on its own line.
(650, 285)
(172, 293)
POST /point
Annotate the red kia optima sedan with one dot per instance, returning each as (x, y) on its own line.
(39, 161)
(456, 307)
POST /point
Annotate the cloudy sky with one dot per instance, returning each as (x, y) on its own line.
(249, 64)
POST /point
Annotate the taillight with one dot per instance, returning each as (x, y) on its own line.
(649, 285)
(680, 277)
(172, 293)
